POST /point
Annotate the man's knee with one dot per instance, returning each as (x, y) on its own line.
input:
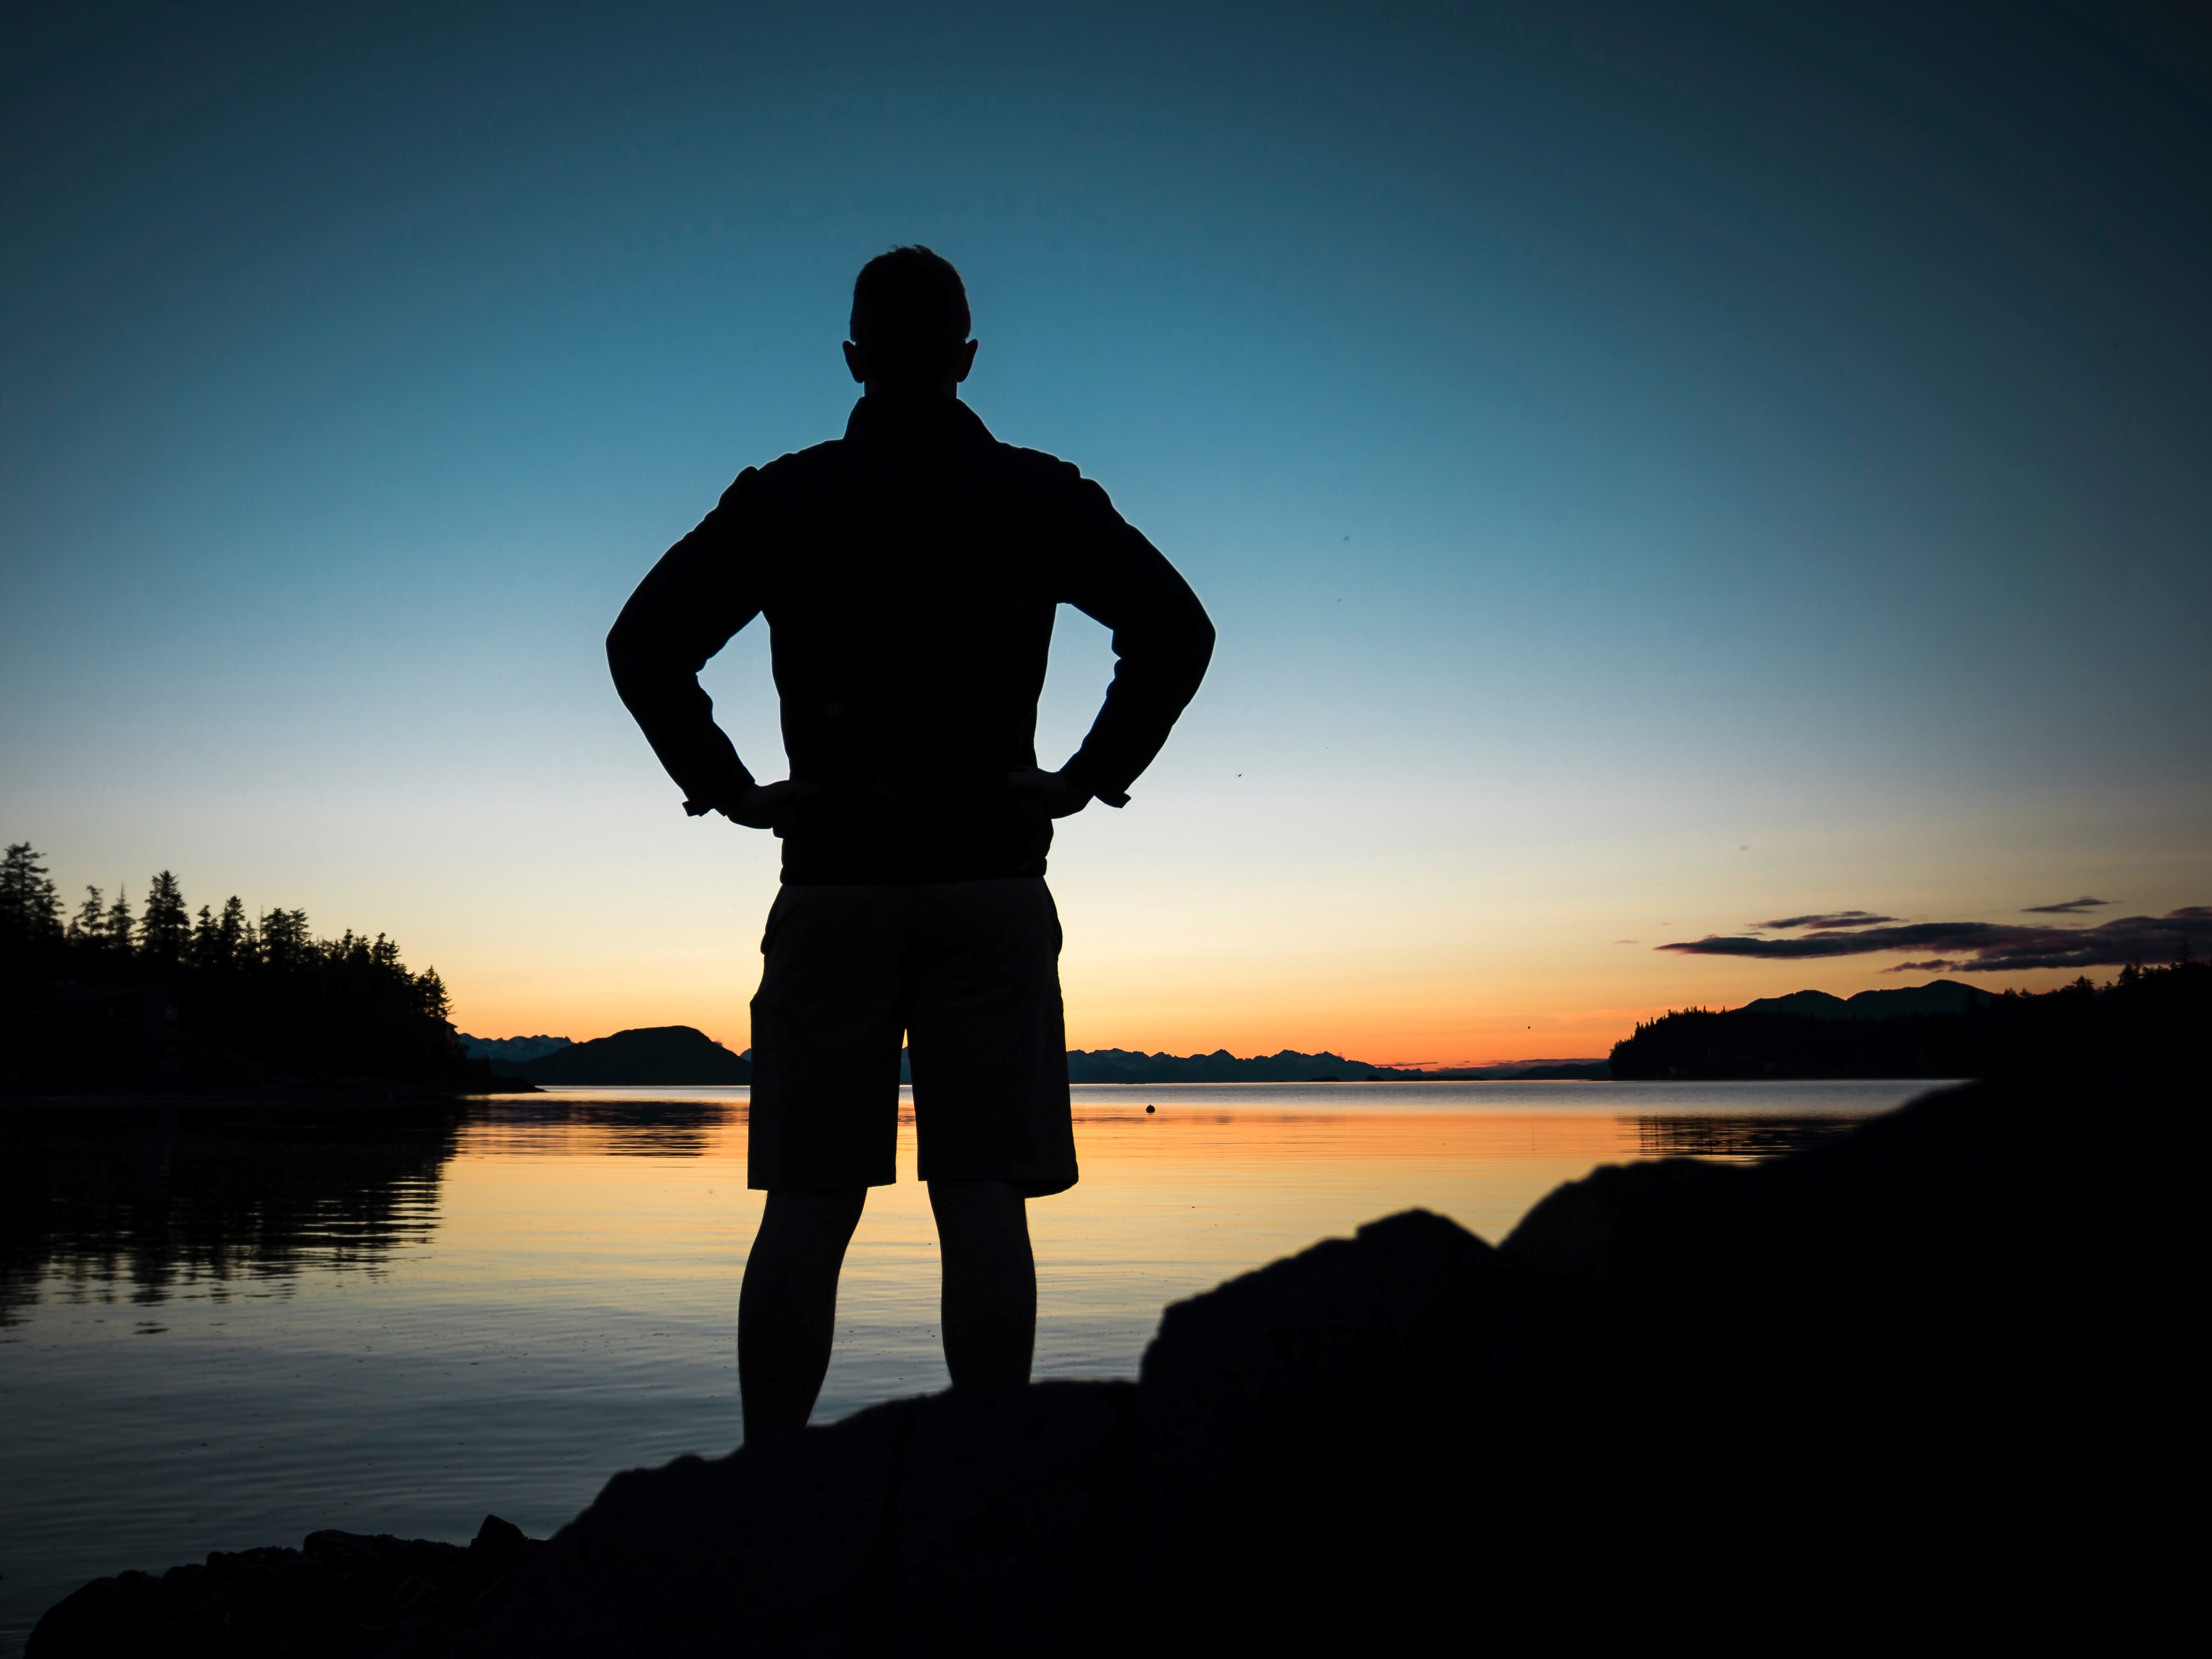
(983, 1211)
(831, 1214)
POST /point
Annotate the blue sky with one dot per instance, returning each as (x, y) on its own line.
(1650, 473)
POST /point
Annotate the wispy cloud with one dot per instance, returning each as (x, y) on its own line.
(1832, 919)
(2070, 908)
(1986, 947)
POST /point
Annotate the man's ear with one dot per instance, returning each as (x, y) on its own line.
(857, 361)
(963, 359)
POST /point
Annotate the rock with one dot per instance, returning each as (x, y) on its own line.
(939, 1524)
(1579, 1230)
(342, 1593)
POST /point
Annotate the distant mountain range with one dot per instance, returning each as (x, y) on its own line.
(1290, 1065)
(1938, 996)
(517, 1048)
(675, 1055)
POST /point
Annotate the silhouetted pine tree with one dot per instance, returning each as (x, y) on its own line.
(167, 928)
(435, 1002)
(230, 941)
(284, 938)
(30, 906)
(117, 929)
(88, 927)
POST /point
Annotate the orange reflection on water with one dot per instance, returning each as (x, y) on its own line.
(1214, 1182)
(578, 1197)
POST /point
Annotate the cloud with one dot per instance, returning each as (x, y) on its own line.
(1833, 919)
(1988, 947)
(2070, 908)
(1933, 965)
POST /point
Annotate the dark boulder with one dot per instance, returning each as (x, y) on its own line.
(342, 1593)
(944, 1524)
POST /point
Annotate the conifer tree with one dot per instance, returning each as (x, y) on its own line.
(30, 908)
(115, 931)
(166, 929)
(203, 946)
(435, 1002)
(233, 934)
(89, 925)
(285, 938)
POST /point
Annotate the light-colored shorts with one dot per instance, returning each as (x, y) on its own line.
(968, 972)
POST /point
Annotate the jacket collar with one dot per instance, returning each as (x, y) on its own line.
(904, 416)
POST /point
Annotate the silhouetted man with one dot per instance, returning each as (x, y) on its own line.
(910, 573)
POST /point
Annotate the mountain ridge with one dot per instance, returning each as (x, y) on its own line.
(1938, 996)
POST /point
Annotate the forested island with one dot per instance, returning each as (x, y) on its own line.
(101, 998)
(668, 1056)
(1943, 1030)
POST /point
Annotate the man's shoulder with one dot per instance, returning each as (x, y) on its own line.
(1034, 469)
(796, 470)
(824, 469)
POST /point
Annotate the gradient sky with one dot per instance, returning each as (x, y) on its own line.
(1652, 469)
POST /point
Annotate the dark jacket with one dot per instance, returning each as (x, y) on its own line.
(910, 573)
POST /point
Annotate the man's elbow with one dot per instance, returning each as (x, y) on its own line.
(1196, 649)
(630, 655)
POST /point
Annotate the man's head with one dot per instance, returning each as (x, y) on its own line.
(909, 323)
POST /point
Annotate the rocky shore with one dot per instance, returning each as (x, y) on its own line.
(1831, 1398)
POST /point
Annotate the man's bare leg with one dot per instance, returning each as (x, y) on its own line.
(989, 1308)
(787, 1310)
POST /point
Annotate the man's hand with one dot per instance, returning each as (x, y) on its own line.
(1051, 793)
(766, 805)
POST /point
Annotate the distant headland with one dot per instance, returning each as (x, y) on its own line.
(1941, 1030)
(106, 1001)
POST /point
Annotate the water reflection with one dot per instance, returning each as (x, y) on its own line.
(1736, 1138)
(110, 1205)
(649, 1128)
(107, 1205)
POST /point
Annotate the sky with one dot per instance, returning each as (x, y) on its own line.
(1654, 471)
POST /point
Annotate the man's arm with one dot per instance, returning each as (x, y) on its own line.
(689, 603)
(1162, 638)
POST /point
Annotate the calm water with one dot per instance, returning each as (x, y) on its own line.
(223, 1328)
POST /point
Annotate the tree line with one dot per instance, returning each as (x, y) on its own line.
(2143, 1021)
(247, 997)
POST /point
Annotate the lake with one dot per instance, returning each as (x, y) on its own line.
(222, 1326)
